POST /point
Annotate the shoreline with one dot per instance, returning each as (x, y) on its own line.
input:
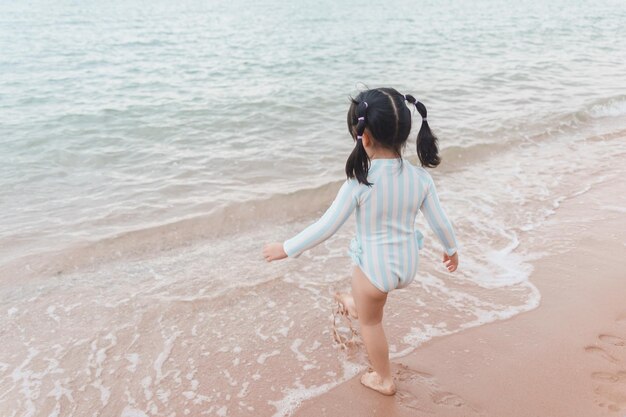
(119, 338)
(565, 358)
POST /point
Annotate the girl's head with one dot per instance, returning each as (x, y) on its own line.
(382, 114)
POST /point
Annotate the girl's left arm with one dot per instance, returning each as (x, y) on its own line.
(336, 215)
(437, 219)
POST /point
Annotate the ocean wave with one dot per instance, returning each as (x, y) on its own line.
(612, 107)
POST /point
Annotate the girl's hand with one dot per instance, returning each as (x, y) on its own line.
(274, 251)
(451, 261)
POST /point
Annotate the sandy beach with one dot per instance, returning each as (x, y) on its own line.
(565, 358)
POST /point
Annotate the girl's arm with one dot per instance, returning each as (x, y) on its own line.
(336, 215)
(438, 221)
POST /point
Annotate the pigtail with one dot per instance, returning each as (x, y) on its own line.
(427, 149)
(358, 163)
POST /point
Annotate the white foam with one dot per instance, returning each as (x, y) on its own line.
(316, 344)
(50, 313)
(497, 268)
(129, 397)
(145, 384)
(132, 412)
(263, 337)
(244, 390)
(163, 395)
(416, 337)
(583, 190)
(60, 391)
(164, 355)
(295, 346)
(30, 382)
(612, 109)
(294, 396)
(56, 411)
(263, 356)
(105, 392)
(284, 331)
(133, 358)
(231, 381)
(71, 307)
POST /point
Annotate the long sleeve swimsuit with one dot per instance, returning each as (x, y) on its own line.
(387, 242)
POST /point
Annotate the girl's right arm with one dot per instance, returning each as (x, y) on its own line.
(439, 223)
(336, 215)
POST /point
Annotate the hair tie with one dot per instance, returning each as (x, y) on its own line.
(366, 105)
(361, 118)
(423, 119)
(359, 138)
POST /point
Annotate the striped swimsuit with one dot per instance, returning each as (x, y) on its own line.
(386, 243)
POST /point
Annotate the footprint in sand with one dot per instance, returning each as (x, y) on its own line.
(438, 398)
(610, 387)
(408, 400)
(614, 340)
(447, 398)
(616, 396)
(619, 376)
(404, 373)
(601, 352)
(417, 387)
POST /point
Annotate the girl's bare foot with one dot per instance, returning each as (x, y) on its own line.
(372, 380)
(346, 301)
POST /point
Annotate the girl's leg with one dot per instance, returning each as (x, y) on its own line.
(370, 302)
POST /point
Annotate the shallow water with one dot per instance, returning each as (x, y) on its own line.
(147, 153)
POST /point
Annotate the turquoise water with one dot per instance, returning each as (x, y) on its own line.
(148, 150)
(128, 115)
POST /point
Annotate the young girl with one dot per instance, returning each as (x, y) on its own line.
(386, 191)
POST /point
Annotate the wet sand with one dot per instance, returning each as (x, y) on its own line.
(565, 358)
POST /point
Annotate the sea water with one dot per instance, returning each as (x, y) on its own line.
(148, 150)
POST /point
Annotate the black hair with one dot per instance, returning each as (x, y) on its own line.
(427, 149)
(382, 111)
